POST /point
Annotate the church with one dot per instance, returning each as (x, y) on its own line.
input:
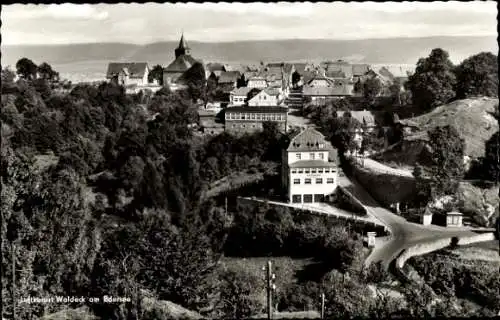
(309, 168)
(182, 63)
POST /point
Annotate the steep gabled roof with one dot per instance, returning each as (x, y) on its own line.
(312, 164)
(272, 91)
(182, 43)
(335, 90)
(309, 140)
(134, 69)
(229, 76)
(243, 91)
(216, 67)
(360, 69)
(362, 116)
(181, 64)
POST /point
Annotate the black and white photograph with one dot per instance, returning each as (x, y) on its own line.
(257, 160)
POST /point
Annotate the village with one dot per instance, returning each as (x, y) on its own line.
(196, 174)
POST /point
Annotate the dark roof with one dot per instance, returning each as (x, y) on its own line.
(308, 76)
(216, 67)
(301, 66)
(275, 64)
(334, 90)
(360, 116)
(229, 76)
(360, 69)
(272, 91)
(308, 140)
(134, 69)
(335, 74)
(181, 64)
(312, 164)
(261, 109)
(243, 91)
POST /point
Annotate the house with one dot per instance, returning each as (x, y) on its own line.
(322, 89)
(243, 119)
(366, 118)
(228, 80)
(208, 123)
(182, 63)
(454, 219)
(301, 67)
(238, 97)
(266, 97)
(128, 73)
(341, 67)
(309, 168)
(426, 217)
(359, 70)
(257, 82)
(216, 69)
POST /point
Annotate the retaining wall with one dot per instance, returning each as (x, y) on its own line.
(348, 202)
(390, 188)
(420, 249)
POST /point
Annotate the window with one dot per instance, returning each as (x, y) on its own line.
(306, 170)
(319, 198)
(294, 170)
(329, 180)
(258, 116)
(252, 116)
(307, 181)
(321, 145)
(298, 156)
(296, 198)
(308, 198)
(320, 170)
(313, 170)
(327, 170)
(311, 156)
(301, 170)
(296, 181)
(321, 155)
(319, 181)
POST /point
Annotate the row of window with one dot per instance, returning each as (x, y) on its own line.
(256, 116)
(237, 99)
(315, 170)
(318, 181)
(234, 126)
(312, 155)
(308, 198)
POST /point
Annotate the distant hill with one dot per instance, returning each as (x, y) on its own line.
(91, 59)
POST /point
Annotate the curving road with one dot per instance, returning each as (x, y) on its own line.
(403, 233)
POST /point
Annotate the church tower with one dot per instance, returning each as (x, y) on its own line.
(183, 48)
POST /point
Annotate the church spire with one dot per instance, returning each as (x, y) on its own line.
(183, 48)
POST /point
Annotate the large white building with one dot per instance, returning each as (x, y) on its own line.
(310, 167)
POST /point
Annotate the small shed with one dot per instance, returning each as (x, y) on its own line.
(426, 217)
(454, 219)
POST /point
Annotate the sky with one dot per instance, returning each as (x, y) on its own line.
(225, 22)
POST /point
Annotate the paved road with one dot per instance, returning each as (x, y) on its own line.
(403, 233)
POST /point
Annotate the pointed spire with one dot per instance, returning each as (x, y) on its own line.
(183, 43)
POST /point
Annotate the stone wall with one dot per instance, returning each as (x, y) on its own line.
(386, 188)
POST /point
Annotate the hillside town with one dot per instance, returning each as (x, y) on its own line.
(200, 189)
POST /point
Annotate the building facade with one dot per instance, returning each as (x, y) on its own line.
(266, 97)
(243, 119)
(238, 97)
(257, 82)
(128, 73)
(309, 168)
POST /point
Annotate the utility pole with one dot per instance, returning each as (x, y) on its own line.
(270, 276)
(13, 280)
(322, 305)
(225, 205)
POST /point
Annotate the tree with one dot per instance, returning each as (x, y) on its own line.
(395, 90)
(295, 78)
(477, 76)
(195, 79)
(433, 82)
(26, 69)
(490, 162)
(448, 160)
(371, 89)
(47, 73)
(156, 74)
